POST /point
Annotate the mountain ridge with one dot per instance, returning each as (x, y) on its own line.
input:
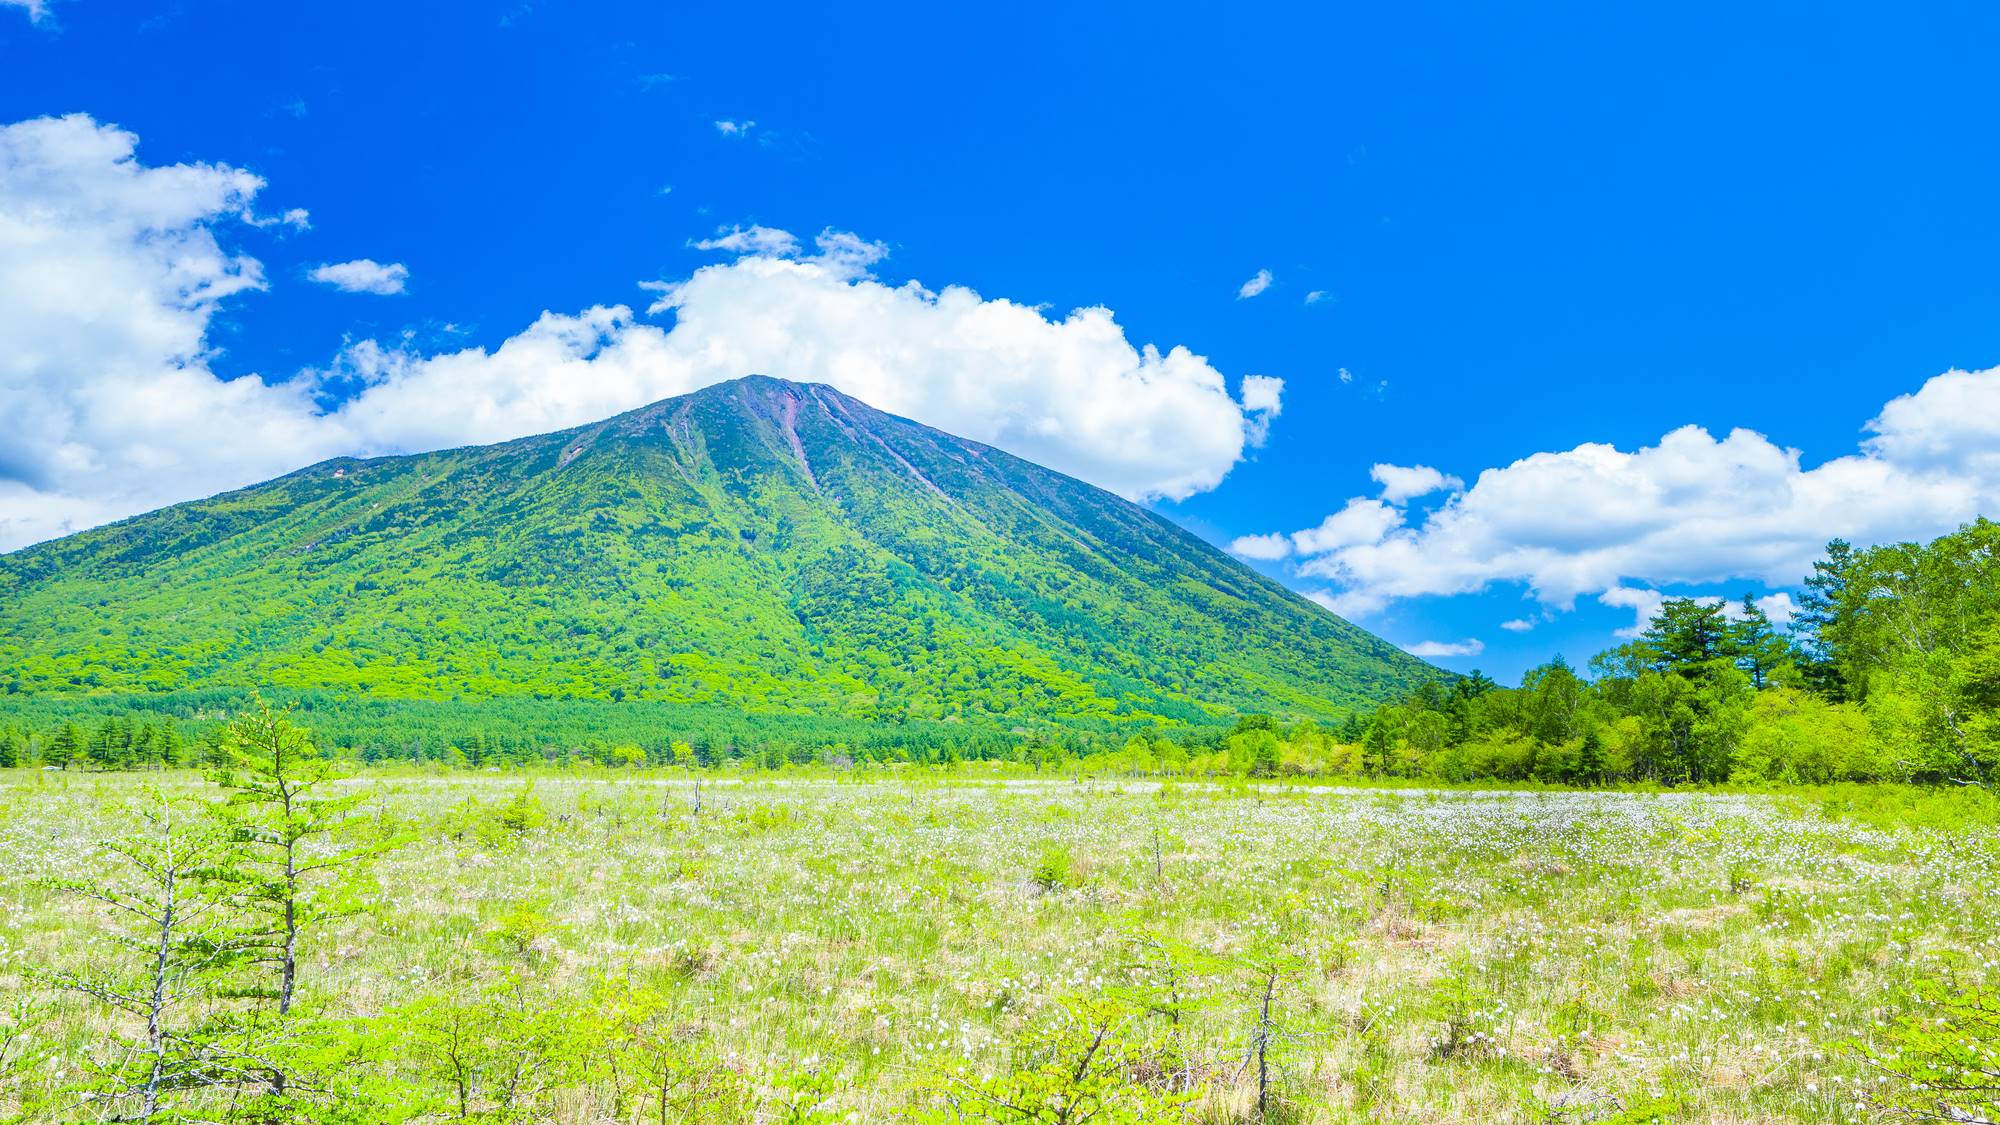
(760, 543)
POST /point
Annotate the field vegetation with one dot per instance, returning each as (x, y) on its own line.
(603, 947)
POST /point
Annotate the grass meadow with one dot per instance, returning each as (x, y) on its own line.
(820, 950)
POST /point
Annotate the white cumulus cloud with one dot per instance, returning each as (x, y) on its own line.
(1779, 607)
(1263, 547)
(114, 400)
(1262, 392)
(1691, 509)
(1262, 397)
(110, 272)
(1254, 286)
(1070, 392)
(1402, 483)
(1361, 522)
(362, 275)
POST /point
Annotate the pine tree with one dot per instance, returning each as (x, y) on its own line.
(10, 748)
(170, 746)
(212, 752)
(64, 747)
(1354, 729)
(1817, 627)
(1759, 649)
(102, 751)
(1686, 636)
(1590, 758)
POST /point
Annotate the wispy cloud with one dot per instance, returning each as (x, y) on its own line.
(298, 218)
(1468, 647)
(38, 10)
(1255, 285)
(753, 239)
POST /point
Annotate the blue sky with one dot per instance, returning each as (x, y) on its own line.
(1529, 230)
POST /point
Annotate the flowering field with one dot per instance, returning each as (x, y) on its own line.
(574, 949)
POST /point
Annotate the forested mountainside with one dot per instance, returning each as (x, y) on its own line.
(762, 545)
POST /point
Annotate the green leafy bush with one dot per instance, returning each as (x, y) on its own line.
(500, 826)
(1055, 868)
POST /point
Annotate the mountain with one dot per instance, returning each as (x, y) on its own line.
(768, 546)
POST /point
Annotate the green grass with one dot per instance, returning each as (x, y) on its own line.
(1442, 956)
(1891, 806)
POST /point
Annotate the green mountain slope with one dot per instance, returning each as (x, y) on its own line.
(763, 545)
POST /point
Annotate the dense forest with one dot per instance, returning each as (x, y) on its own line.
(1890, 672)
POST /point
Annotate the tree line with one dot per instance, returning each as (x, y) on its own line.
(1890, 671)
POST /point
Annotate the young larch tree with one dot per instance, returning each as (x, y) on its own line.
(170, 905)
(296, 837)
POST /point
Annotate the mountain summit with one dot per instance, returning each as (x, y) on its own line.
(773, 546)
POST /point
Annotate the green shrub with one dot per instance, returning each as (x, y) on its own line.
(501, 826)
(1950, 808)
(1055, 868)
